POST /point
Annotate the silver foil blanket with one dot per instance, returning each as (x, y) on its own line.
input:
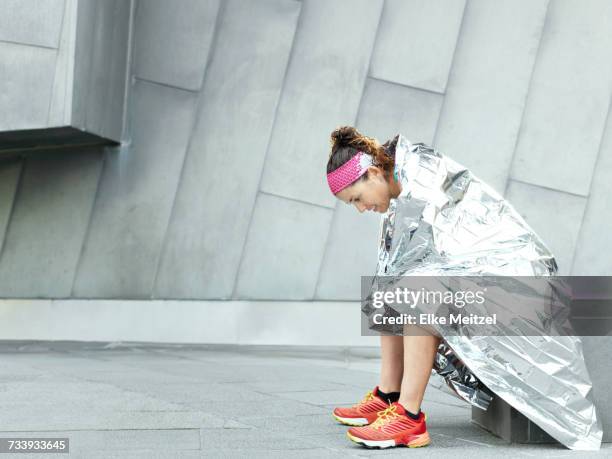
(460, 379)
(448, 222)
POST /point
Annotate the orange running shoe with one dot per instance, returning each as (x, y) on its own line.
(392, 428)
(364, 413)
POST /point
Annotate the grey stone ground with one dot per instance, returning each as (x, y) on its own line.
(174, 401)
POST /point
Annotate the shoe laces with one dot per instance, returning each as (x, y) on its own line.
(385, 416)
(369, 396)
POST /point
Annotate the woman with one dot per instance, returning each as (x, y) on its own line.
(441, 220)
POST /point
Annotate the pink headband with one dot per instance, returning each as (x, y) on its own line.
(348, 172)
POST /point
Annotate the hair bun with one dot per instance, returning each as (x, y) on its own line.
(390, 145)
(342, 136)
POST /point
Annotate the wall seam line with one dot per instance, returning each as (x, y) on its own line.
(95, 199)
(529, 85)
(194, 122)
(434, 139)
(358, 111)
(290, 58)
(57, 62)
(590, 195)
(18, 187)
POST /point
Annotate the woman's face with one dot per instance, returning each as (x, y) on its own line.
(372, 194)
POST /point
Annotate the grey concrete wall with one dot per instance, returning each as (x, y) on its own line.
(64, 63)
(32, 62)
(218, 190)
(102, 41)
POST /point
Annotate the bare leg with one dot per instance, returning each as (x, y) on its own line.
(392, 363)
(419, 354)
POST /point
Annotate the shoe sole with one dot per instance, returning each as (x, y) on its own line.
(353, 422)
(418, 442)
(356, 422)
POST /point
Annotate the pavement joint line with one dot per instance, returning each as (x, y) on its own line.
(488, 445)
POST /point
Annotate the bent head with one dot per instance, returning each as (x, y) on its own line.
(360, 171)
(370, 192)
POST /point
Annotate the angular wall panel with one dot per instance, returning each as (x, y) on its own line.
(387, 109)
(600, 371)
(284, 249)
(26, 83)
(322, 90)
(48, 224)
(352, 247)
(223, 166)
(488, 85)
(135, 198)
(60, 109)
(555, 216)
(591, 257)
(31, 22)
(9, 176)
(177, 33)
(82, 83)
(416, 42)
(568, 98)
(351, 252)
(100, 72)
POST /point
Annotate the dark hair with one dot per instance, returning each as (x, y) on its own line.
(346, 141)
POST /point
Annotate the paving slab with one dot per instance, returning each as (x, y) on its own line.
(133, 401)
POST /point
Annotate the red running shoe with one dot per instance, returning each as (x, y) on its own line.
(364, 413)
(392, 428)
